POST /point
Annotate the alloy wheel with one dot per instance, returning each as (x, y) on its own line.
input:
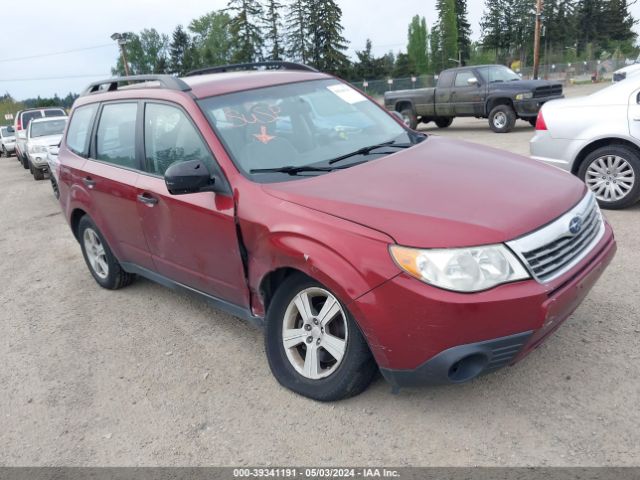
(610, 177)
(96, 253)
(314, 333)
(500, 120)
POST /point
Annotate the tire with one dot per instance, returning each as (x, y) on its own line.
(107, 271)
(410, 118)
(54, 186)
(444, 122)
(38, 174)
(502, 119)
(25, 162)
(337, 379)
(612, 173)
(4, 152)
(533, 121)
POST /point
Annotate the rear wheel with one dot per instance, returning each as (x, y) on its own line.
(102, 264)
(613, 175)
(313, 345)
(532, 121)
(409, 118)
(4, 152)
(502, 119)
(444, 122)
(25, 162)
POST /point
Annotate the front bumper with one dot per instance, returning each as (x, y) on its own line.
(421, 335)
(530, 107)
(39, 160)
(11, 147)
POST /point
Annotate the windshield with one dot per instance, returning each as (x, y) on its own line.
(300, 125)
(498, 74)
(5, 132)
(52, 127)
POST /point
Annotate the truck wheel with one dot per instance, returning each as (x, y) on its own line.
(533, 121)
(502, 119)
(444, 122)
(313, 344)
(102, 264)
(613, 175)
(409, 118)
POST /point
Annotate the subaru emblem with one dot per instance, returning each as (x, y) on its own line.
(575, 225)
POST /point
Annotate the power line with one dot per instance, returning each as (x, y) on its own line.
(66, 77)
(65, 52)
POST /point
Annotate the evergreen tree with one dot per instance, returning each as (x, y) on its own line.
(418, 45)
(464, 30)
(589, 24)
(404, 66)
(245, 29)
(274, 30)
(522, 14)
(182, 54)
(448, 26)
(437, 61)
(365, 67)
(496, 30)
(298, 46)
(327, 43)
(618, 22)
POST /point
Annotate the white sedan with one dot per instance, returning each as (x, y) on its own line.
(596, 138)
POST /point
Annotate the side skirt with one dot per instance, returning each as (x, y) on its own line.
(230, 308)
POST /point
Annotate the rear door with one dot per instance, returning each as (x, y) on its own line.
(110, 174)
(634, 114)
(193, 238)
(444, 97)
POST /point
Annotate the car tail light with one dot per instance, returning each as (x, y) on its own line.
(19, 125)
(540, 123)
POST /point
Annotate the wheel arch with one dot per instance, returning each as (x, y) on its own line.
(599, 143)
(74, 221)
(400, 105)
(495, 101)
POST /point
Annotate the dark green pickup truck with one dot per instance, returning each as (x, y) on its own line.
(486, 91)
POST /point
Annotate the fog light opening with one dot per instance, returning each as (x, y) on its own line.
(468, 368)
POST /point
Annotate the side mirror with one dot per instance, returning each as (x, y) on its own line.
(473, 82)
(188, 177)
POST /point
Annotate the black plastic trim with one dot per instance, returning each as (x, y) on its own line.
(252, 66)
(166, 81)
(230, 308)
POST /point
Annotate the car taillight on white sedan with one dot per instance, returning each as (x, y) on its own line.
(540, 123)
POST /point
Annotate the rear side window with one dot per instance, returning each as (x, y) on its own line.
(116, 137)
(170, 137)
(79, 130)
(54, 112)
(446, 79)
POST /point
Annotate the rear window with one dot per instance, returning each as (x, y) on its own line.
(28, 116)
(54, 112)
(79, 130)
(50, 127)
(4, 132)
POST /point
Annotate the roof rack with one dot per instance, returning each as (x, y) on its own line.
(166, 81)
(252, 66)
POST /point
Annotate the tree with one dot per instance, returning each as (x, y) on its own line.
(327, 43)
(245, 29)
(464, 30)
(589, 23)
(496, 30)
(182, 52)
(365, 67)
(618, 24)
(298, 46)
(212, 38)
(404, 66)
(418, 45)
(447, 24)
(274, 29)
(146, 53)
(437, 61)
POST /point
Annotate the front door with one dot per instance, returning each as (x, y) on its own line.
(468, 96)
(192, 238)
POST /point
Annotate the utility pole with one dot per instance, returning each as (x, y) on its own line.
(536, 44)
(122, 39)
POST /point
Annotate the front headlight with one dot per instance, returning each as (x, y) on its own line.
(461, 269)
(37, 149)
(524, 96)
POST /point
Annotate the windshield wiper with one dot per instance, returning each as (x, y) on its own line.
(368, 150)
(291, 170)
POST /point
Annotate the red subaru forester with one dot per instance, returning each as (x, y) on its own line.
(289, 199)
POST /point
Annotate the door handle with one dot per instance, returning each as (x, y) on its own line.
(147, 199)
(89, 182)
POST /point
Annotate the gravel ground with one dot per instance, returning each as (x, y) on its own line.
(145, 376)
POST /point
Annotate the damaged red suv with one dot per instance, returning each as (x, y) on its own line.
(289, 199)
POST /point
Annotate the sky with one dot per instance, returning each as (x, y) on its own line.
(63, 25)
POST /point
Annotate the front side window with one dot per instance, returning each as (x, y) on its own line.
(462, 79)
(498, 74)
(46, 128)
(115, 139)
(79, 130)
(170, 137)
(300, 125)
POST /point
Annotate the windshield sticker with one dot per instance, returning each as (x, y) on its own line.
(261, 115)
(347, 93)
(263, 136)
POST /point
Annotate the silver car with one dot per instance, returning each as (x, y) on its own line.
(7, 141)
(596, 138)
(43, 133)
(54, 169)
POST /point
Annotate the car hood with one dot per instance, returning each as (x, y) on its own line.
(48, 141)
(441, 193)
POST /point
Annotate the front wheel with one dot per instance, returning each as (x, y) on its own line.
(38, 174)
(102, 264)
(313, 345)
(444, 122)
(25, 162)
(409, 118)
(4, 152)
(502, 119)
(613, 175)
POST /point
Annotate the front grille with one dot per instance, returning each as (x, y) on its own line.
(554, 90)
(554, 249)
